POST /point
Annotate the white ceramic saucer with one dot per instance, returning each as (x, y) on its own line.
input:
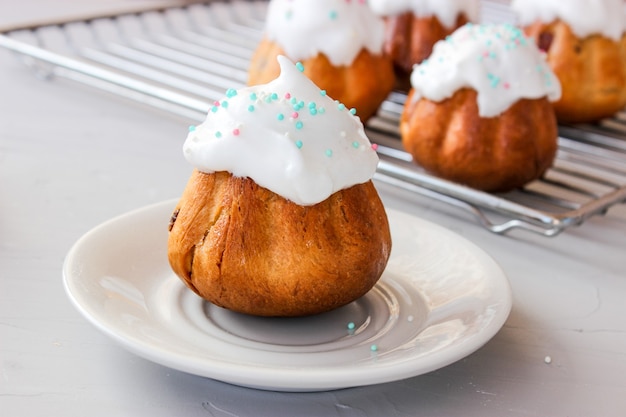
(440, 299)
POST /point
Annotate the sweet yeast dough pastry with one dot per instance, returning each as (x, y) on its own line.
(412, 27)
(479, 111)
(340, 44)
(585, 42)
(280, 216)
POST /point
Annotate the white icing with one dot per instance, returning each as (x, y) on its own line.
(497, 61)
(446, 11)
(306, 163)
(339, 29)
(585, 17)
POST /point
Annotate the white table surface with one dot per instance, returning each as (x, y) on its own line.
(71, 158)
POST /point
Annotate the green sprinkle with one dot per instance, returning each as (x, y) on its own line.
(280, 116)
(351, 326)
(225, 104)
(274, 96)
(355, 145)
(313, 111)
(374, 348)
(300, 66)
(322, 92)
(192, 128)
(333, 14)
(321, 110)
(299, 125)
(218, 134)
(214, 109)
(353, 111)
(329, 152)
(231, 92)
(253, 96)
(299, 144)
(250, 108)
(341, 106)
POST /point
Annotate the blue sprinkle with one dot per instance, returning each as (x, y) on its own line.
(192, 128)
(300, 66)
(231, 92)
(280, 116)
(299, 125)
(225, 104)
(351, 326)
(299, 144)
(355, 145)
(253, 96)
(322, 92)
(218, 134)
(250, 108)
(353, 111)
(329, 152)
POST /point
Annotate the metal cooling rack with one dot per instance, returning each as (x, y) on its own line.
(180, 59)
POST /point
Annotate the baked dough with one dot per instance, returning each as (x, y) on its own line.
(247, 249)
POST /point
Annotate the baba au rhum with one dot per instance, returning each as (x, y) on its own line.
(585, 43)
(340, 44)
(479, 112)
(280, 216)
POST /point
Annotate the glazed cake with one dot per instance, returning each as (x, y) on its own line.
(586, 48)
(340, 44)
(280, 216)
(479, 110)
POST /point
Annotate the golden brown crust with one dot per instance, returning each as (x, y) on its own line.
(247, 249)
(499, 153)
(410, 39)
(592, 71)
(363, 85)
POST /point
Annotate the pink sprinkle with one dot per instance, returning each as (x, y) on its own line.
(506, 85)
(236, 132)
(287, 95)
(374, 146)
(294, 114)
(216, 103)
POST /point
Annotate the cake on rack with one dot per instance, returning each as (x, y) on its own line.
(412, 27)
(340, 44)
(479, 111)
(585, 43)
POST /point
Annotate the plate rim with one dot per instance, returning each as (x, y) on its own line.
(286, 379)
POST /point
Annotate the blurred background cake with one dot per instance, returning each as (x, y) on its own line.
(340, 44)
(586, 47)
(479, 110)
(413, 26)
